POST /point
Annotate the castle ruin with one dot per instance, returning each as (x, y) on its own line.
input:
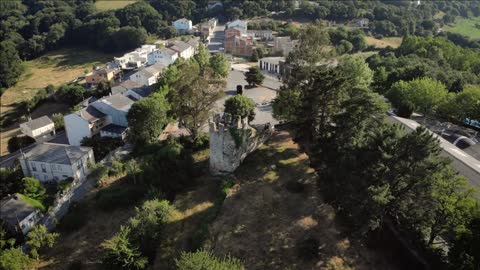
(231, 140)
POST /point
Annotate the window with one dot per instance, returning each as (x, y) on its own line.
(35, 176)
(59, 168)
(34, 168)
(53, 167)
(44, 168)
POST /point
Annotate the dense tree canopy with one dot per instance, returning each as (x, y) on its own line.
(147, 118)
(240, 106)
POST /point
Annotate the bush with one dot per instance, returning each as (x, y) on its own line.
(99, 172)
(206, 260)
(15, 143)
(57, 119)
(117, 168)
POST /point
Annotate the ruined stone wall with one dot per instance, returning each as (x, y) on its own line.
(231, 143)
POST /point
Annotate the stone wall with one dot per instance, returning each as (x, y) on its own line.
(231, 142)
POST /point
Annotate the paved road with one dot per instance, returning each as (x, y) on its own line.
(216, 40)
(261, 95)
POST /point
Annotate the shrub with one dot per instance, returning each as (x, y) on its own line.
(32, 188)
(15, 143)
(57, 119)
(120, 253)
(99, 172)
(206, 260)
(117, 168)
(13, 259)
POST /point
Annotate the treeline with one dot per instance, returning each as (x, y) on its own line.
(390, 18)
(420, 57)
(377, 175)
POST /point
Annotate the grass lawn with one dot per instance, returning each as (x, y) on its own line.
(466, 27)
(104, 5)
(56, 68)
(393, 42)
(32, 202)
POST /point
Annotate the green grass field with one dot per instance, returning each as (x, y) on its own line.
(112, 4)
(466, 27)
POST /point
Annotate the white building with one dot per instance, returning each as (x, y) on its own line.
(183, 49)
(163, 56)
(260, 34)
(136, 58)
(271, 64)
(149, 75)
(38, 128)
(57, 162)
(17, 215)
(91, 120)
(238, 24)
(183, 25)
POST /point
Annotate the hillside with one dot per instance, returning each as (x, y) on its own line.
(270, 221)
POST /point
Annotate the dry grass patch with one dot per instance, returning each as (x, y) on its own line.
(393, 42)
(55, 68)
(105, 5)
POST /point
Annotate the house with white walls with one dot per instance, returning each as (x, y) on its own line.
(238, 24)
(165, 56)
(183, 25)
(135, 59)
(89, 121)
(38, 128)
(18, 216)
(183, 49)
(148, 75)
(57, 162)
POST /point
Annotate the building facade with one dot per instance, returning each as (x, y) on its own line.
(90, 120)
(56, 162)
(100, 75)
(37, 128)
(272, 64)
(18, 216)
(183, 25)
(163, 56)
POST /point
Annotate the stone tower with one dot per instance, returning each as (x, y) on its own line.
(231, 141)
